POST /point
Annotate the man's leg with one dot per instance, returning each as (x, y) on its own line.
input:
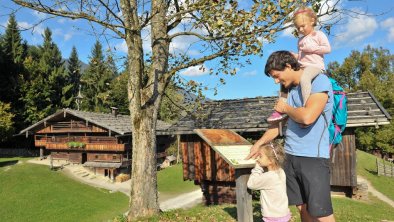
(306, 217)
(315, 177)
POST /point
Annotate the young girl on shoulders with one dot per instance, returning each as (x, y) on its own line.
(312, 45)
(268, 177)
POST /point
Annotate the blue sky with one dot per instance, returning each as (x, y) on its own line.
(352, 33)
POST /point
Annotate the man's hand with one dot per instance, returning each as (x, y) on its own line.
(281, 105)
(254, 152)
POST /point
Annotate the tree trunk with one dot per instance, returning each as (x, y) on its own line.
(143, 196)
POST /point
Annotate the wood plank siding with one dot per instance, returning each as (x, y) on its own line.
(206, 168)
(343, 161)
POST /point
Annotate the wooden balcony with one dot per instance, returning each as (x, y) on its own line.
(91, 143)
(88, 147)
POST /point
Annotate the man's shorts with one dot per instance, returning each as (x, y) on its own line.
(308, 182)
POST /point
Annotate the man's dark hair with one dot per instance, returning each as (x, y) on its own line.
(278, 60)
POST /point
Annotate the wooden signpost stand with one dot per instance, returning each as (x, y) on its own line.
(233, 149)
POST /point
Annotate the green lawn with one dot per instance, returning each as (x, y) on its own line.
(366, 167)
(30, 192)
(170, 181)
(345, 209)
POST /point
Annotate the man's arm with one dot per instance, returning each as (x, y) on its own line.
(268, 136)
(309, 113)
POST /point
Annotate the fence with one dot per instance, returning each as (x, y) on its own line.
(19, 152)
(385, 168)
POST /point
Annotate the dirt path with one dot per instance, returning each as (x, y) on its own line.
(77, 172)
(376, 193)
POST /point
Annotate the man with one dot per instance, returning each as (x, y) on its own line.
(307, 138)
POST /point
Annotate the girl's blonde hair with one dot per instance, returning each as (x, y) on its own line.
(305, 11)
(274, 152)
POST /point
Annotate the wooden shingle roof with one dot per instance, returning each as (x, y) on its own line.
(250, 114)
(121, 124)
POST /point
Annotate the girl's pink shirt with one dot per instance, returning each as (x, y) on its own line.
(311, 49)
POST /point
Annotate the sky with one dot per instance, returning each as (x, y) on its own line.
(352, 33)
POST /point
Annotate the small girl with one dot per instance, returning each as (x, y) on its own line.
(268, 177)
(311, 49)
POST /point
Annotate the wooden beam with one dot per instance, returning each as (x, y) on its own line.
(244, 196)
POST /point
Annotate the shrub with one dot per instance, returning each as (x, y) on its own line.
(6, 123)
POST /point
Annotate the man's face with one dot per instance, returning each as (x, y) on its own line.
(282, 77)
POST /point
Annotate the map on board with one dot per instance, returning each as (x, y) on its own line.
(231, 146)
(235, 155)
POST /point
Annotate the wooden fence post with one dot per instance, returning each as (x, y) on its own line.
(244, 196)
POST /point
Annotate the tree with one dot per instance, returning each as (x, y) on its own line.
(223, 30)
(43, 91)
(96, 80)
(52, 67)
(14, 51)
(6, 123)
(370, 70)
(74, 79)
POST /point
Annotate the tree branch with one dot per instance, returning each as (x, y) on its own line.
(48, 10)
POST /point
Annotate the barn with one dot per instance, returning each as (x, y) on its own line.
(100, 142)
(247, 117)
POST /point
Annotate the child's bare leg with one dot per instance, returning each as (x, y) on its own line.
(309, 74)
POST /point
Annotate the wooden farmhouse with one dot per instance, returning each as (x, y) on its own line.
(100, 142)
(247, 117)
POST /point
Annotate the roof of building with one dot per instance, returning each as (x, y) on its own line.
(120, 124)
(250, 114)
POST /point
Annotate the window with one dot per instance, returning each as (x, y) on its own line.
(96, 156)
(114, 157)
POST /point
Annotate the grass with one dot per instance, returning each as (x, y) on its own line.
(170, 181)
(31, 192)
(345, 209)
(366, 167)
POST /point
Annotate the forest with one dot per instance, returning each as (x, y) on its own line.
(35, 81)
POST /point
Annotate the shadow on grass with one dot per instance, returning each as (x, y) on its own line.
(373, 172)
(232, 211)
(8, 163)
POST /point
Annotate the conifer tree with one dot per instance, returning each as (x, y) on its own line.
(96, 81)
(43, 94)
(73, 80)
(12, 70)
(52, 67)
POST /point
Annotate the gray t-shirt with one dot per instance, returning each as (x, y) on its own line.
(311, 141)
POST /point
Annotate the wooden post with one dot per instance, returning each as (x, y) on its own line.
(41, 153)
(178, 141)
(244, 196)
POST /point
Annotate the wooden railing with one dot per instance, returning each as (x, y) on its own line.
(88, 147)
(97, 143)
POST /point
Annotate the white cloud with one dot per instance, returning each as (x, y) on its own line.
(250, 73)
(288, 32)
(38, 29)
(328, 6)
(122, 47)
(39, 15)
(195, 71)
(389, 25)
(61, 20)
(68, 36)
(355, 30)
